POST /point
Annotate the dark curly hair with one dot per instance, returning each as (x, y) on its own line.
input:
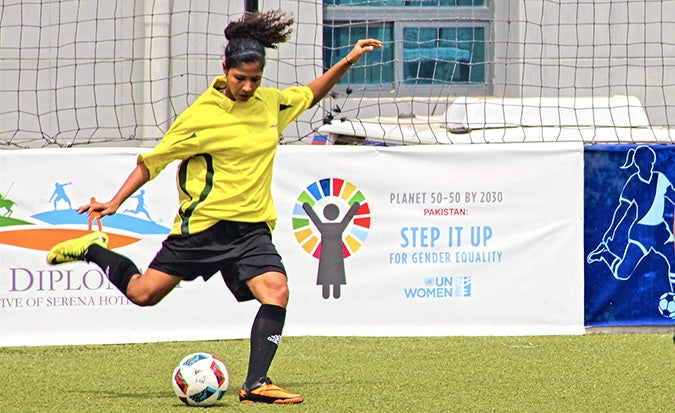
(252, 33)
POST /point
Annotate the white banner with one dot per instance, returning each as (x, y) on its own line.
(437, 240)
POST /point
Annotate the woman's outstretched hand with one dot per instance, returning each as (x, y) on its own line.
(361, 47)
(98, 208)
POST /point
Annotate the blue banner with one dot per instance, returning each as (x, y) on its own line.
(629, 197)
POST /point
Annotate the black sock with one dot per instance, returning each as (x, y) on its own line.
(265, 338)
(118, 268)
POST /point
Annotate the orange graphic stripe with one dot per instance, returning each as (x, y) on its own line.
(42, 239)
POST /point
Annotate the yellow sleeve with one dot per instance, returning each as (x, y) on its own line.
(177, 144)
(294, 101)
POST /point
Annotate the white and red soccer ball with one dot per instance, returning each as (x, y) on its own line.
(200, 379)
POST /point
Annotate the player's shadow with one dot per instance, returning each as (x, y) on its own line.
(166, 399)
(110, 394)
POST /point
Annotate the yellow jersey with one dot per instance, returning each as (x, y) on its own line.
(227, 150)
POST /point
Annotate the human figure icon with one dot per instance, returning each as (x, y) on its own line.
(7, 205)
(59, 194)
(331, 271)
(140, 206)
(95, 216)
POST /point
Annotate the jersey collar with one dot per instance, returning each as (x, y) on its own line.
(218, 84)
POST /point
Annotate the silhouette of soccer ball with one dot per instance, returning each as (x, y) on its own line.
(200, 379)
(667, 305)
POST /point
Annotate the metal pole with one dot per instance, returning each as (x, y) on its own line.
(157, 71)
(251, 6)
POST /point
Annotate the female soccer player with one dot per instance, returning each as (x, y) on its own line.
(226, 142)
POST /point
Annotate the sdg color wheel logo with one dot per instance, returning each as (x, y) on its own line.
(331, 221)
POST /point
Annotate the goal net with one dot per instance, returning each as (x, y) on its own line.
(117, 73)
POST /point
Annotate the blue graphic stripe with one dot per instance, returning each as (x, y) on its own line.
(325, 186)
(117, 221)
(314, 190)
(299, 211)
(359, 233)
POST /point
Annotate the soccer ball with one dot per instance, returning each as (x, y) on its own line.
(667, 305)
(200, 379)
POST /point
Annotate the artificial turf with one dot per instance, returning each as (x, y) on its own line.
(588, 373)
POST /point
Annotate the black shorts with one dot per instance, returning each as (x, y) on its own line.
(239, 250)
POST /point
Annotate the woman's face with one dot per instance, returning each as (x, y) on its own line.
(242, 81)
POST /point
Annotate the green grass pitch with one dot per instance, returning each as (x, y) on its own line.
(589, 373)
